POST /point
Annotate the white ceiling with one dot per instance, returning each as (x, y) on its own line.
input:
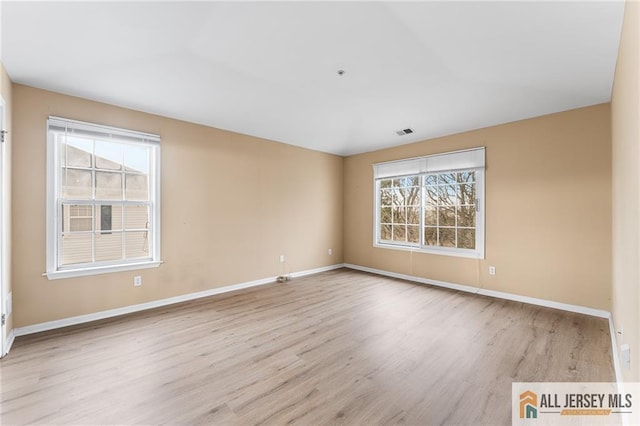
(269, 69)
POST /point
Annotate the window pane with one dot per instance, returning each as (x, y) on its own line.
(386, 183)
(108, 246)
(466, 177)
(467, 216)
(77, 218)
(447, 237)
(447, 216)
(447, 178)
(385, 232)
(76, 248)
(413, 196)
(136, 159)
(399, 215)
(431, 195)
(78, 152)
(399, 233)
(136, 187)
(136, 217)
(430, 215)
(413, 181)
(413, 234)
(116, 217)
(398, 197)
(136, 244)
(385, 215)
(467, 194)
(467, 238)
(108, 155)
(431, 236)
(447, 195)
(385, 197)
(431, 179)
(399, 183)
(108, 186)
(413, 215)
(76, 184)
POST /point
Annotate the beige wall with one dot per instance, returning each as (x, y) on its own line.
(231, 204)
(625, 123)
(6, 92)
(548, 209)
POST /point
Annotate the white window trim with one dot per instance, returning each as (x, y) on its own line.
(472, 159)
(52, 221)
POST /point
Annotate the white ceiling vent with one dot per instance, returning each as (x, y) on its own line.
(404, 132)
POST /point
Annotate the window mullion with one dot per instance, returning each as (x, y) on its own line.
(93, 198)
(59, 234)
(123, 227)
(123, 235)
(421, 229)
(455, 213)
(59, 207)
(437, 210)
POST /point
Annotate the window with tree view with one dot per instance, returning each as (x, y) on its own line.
(437, 211)
(103, 209)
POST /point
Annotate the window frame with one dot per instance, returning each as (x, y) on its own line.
(54, 202)
(477, 253)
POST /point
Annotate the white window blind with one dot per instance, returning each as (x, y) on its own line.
(90, 130)
(451, 161)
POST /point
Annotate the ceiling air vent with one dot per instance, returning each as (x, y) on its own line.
(404, 132)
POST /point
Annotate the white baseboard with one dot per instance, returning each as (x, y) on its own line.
(317, 270)
(491, 293)
(10, 339)
(80, 319)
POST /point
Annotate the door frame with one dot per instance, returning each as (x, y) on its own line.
(3, 246)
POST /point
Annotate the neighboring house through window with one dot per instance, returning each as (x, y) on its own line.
(103, 210)
(433, 204)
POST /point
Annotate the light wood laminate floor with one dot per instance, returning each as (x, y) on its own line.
(341, 347)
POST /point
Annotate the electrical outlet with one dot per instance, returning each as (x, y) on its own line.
(282, 258)
(330, 252)
(137, 281)
(492, 270)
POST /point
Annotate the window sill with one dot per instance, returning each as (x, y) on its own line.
(470, 254)
(70, 273)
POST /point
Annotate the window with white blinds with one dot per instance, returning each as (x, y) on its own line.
(103, 209)
(433, 204)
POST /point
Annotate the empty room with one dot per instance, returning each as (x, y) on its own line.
(357, 213)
